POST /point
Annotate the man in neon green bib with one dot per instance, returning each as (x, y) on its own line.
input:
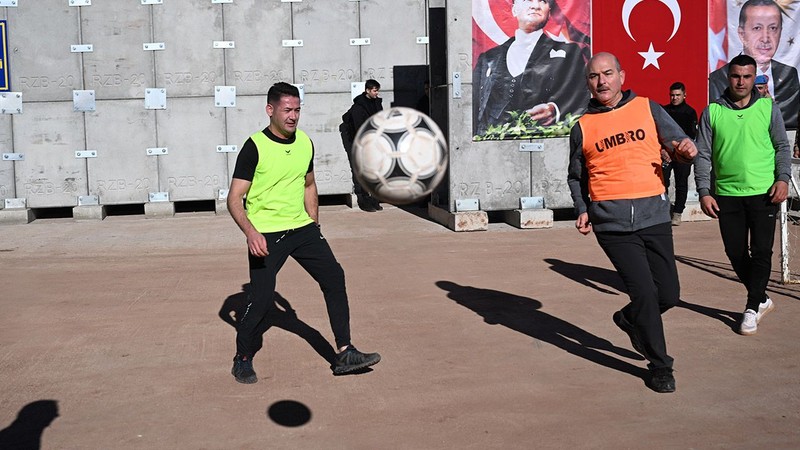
(275, 172)
(742, 136)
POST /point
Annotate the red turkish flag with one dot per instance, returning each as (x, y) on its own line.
(657, 42)
(717, 34)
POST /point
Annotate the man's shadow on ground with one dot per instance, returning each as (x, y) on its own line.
(25, 433)
(725, 271)
(282, 316)
(592, 276)
(589, 276)
(524, 315)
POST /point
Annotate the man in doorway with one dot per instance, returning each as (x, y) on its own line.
(686, 117)
(275, 172)
(528, 73)
(614, 149)
(364, 106)
(742, 137)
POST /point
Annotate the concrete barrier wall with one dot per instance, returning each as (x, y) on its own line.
(258, 44)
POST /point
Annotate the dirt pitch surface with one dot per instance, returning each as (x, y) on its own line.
(490, 340)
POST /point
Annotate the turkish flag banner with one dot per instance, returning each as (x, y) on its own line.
(657, 42)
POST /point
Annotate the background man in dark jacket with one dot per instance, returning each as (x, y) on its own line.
(686, 117)
(364, 105)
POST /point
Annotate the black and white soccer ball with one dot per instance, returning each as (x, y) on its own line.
(399, 155)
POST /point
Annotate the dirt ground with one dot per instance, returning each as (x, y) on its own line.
(117, 334)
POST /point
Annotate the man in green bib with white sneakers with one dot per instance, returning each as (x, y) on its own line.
(274, 176)
(742, 136)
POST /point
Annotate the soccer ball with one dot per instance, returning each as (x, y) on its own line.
(399, 155)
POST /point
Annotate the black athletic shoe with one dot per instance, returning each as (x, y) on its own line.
(376, 204)
(352, 360)
(365, 204)
(627, 327)
(243, 370)
(661, 380)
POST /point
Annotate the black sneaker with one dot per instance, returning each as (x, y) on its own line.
(627, 327)
(376, 204)
(365, 204)
(243, 370)
(352, 360)
(661, 380)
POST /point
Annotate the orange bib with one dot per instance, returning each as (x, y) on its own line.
(622, 152)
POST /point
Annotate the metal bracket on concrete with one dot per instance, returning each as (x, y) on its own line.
(13, 157)
(531, 202)
(292, 42)
(153, 46)
(13, 203)
(223, 194)
(423, 40)
(11, 103)
(86, 154)
(359, 41)
(81, 48)
(159, 196)
(302, 88)
(225, 96)
(80, 2)
(224, 44)
(531, 147)
(155, 98)
(467, 204)
(152, 2)
(9, 3)
(226, 149)
(83, 100)
(153, 151)
(88, 200)
(456, 84)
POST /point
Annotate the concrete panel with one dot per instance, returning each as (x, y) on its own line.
(246, 118)
(121, 131)
(326, 62)
(189, 66)
(117, 67)
(259, 59)
(49, 134)
(40, 35)
(7, 189)
(549, 172)
(393, 46)
(322, 114)
(191, 128)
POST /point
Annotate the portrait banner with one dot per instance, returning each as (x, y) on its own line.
(528, 62)
(657, 43)
(769, 31)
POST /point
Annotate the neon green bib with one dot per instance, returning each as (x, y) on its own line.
(276, 199)
(743, 155)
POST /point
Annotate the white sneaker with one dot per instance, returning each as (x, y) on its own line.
(749, 322)
(763, 308)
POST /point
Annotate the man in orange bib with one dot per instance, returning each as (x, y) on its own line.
(616, 183)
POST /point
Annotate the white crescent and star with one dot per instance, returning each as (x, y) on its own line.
(651, 56)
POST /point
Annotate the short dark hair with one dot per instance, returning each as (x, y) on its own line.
(372, 84)
(677, 85)
(279, 90)
(742, 60)
(749, 3)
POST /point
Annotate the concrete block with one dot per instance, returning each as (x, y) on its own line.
(529, 218)
(221, 207)
(89, 212)
(15, 216)
(459, 221)
(693, 213)
(159, 209)
(351, 200)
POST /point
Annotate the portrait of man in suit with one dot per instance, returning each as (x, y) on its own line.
(530, 73)
(760, 27)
